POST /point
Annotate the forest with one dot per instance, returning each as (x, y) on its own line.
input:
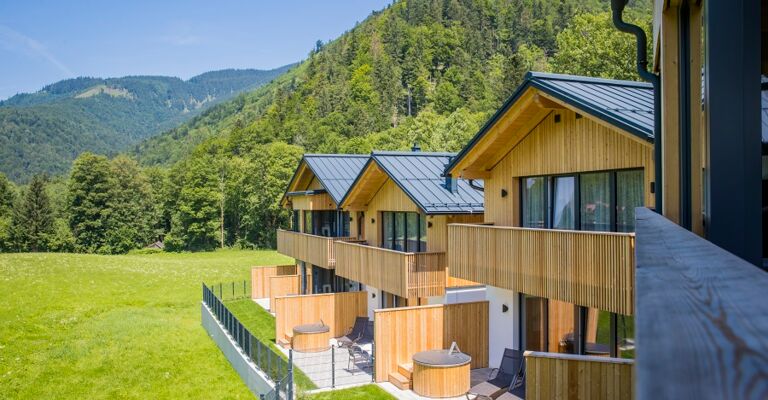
(420, 71)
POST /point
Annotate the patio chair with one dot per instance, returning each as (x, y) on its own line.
(354, 334)
(516, 389)
(508, 371)
(357, 355)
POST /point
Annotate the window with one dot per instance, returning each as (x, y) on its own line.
(595, 201)
(629, 195)
(295, 218)
(564, 203)
(308, 222)
(534, 202)
(404, 231)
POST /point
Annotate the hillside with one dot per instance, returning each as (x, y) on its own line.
(44, 131)
(404, 73)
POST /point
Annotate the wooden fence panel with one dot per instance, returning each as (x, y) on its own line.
(283, 286)
(558, 376)
(260, 287)
(337, 310)
(401, 332)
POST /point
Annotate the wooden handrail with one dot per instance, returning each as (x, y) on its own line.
(702, 319)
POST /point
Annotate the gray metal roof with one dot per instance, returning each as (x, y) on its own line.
(624, 104)
(420, 176)
(336, 172)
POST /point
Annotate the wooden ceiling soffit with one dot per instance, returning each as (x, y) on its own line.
(371, 180)
(527, 112)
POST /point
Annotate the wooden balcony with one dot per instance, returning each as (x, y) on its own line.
(592, 269)
(317, 250)
(560, 376)
(407, 275)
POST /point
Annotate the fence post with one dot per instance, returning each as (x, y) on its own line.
(233, 289)
(244, 288)
(290, 374)
(269, 363)
(333, 367)
(221, 294)
(373, 362)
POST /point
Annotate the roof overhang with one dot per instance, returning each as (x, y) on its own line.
(519, 115)
(299, 184)
(364, 188)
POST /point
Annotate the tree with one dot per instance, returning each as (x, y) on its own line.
(89, 202)
(7, 199)
(590, 46)
(130, 222)
(33, 218)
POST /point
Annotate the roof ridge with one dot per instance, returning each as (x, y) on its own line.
(336, 155)
(412, 153)
(586, 79)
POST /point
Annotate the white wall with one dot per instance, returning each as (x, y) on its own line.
(459, 295)
(374, 303)
(502, 326)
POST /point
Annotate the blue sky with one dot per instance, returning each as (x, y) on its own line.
(42, 42)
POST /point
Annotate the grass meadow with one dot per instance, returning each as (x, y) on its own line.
(75, 326)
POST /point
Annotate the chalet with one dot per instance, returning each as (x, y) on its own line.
(313, 195)
(400, 205)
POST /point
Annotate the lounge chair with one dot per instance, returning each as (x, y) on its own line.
(354, 334)
(508, 371)
(516, 390)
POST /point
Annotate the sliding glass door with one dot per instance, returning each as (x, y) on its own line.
(404, 231)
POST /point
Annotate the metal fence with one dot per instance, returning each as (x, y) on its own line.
(270, 362)
(236, 290)
(336, 366)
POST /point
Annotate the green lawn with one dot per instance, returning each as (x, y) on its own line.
(104, 327)
(361, 392)
(261, 324)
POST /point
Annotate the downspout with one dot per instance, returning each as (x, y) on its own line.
(617, 6)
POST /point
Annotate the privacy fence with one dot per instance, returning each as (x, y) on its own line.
(266, 359)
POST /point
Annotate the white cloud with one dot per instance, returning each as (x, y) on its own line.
(13, 40)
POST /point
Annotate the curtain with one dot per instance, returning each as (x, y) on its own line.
(629, 194)
(534, 202)
(564, 207)
(596, 202)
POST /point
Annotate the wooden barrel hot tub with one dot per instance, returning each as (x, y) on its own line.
(439, 373)
(310, 338)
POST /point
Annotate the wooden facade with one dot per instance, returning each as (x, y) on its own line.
(552, 376)
(260, 284)
(572, 145)
(317, 250)
(408, 275)
(591, 269)
(337, 310)
(399, 333)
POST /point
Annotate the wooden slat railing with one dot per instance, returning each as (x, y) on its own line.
(591, 269)
(407, 275)
(558, 376)
(701, 327)
(317, 250)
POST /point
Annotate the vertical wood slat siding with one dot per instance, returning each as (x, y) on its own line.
(337, 310)
(592, 269)
(404, 274)
(316, 250)
(569, 146)
(399, 333)
(555, 376)
(260, 287)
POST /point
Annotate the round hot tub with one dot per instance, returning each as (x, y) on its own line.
(439, 373)
(309, 338)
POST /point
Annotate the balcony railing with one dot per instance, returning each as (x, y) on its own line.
(317, 250)
(406, 275)
(592, 269)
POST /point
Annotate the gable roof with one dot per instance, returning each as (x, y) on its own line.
(420, 176)
(335, 172)
(627, 105)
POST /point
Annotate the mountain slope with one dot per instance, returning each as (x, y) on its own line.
(419, 70)
(46, 130)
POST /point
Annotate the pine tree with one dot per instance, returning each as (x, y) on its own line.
(33, 218)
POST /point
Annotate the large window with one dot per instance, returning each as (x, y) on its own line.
(329, 223)
(404, 231)
(596, 201)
